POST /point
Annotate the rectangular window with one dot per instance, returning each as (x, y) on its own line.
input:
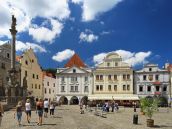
(47, 83)
(97, 77)
(72, 88)
(140, 88)
(33, 75)
(32, 86)
(124, 77)
(86, 89)
(128, 87)
(35, 86)
(62, 89)
(116, 64)
(37, 77)
(54, 84)
(124, 87)
(76, 88)
(86, 79)
(128, 76)
(157, 88)
(109, 77)
(149, 88)
(156, 77)
(49, 91)
(115, 87)
(150, 69)
(108, 64)
(97, 87)
(25, 74)
(101, 77)
(73, 79)
(144, 77)
(115, 77)
(109, 87)
(8, 55)
(45, 90)
(39, 86)
(101, 87)
(165, 88)
(62, 79)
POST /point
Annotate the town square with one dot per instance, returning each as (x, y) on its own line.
(85, 64)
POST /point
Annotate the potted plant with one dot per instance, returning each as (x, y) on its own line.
(142, 101)
(149, 106)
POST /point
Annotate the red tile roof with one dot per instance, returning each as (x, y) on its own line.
(75, 60)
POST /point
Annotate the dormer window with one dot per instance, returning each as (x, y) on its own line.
(74, 70)
(150, 69)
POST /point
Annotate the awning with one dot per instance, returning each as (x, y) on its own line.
(115, 97)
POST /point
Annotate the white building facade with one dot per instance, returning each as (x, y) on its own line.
(74, 82)
(152, 81)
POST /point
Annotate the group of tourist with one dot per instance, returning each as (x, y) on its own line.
(42, 107)
(114, 106)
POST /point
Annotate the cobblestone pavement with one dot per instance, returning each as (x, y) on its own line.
(69, 117)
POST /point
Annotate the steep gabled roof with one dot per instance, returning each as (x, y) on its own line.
(75, 60)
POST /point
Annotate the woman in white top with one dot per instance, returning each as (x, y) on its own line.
(52, 107)
(28, 110)
(46, 105)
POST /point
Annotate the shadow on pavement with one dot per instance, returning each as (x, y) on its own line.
(161, 126)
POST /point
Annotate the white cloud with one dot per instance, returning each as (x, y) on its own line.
(131, 58)
(45, 34)
(88, 36)
(92, 8)
(20, 46)
(105, 32)
(99, 58)
(63, 55)
(27, 10)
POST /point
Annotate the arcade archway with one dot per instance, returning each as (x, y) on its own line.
(74, 100)
(63, 100)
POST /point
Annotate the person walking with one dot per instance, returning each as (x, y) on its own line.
(39, 109)
(46, 105)
(18, 112)
(1, 112)
(52, 107)
(28, 110)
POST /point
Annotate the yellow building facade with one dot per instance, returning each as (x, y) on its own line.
(31, 74)
(113, 79)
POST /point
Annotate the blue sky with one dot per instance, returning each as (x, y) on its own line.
(139, 30)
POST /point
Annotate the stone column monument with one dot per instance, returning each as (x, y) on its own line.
(12, 73)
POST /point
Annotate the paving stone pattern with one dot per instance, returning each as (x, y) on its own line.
(69, 117)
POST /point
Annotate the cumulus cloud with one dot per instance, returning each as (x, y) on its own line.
(45, 34)
(63, 55)
(131, 58)
(93, 8)
(27, 10)
(97, 59)
(87, 36)
(21, 46)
